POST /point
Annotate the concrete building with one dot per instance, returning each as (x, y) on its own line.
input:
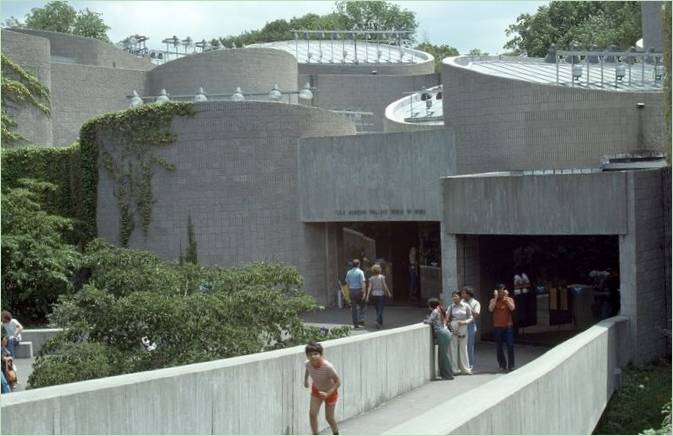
(264, 180)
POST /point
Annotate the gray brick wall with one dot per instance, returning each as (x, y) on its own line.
(221, 71)
(644, 294)
(89, 51)
(81, 91)
(31, 53)
(651, 24)
(504, 124)
(237, 177)
(367, 93)
(364, 68)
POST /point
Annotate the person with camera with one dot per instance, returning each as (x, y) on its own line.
(502, 306)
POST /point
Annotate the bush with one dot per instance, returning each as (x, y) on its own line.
(192, 313)
(73, 362)
(37, 263)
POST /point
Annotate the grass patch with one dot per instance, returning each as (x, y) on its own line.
(637, 407)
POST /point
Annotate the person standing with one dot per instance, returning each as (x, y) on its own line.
(502, 306)
(468, 297)
(413, 275)
(355, 279)
(378, 289)
(460, 316)
(437, 321)
(13, 329)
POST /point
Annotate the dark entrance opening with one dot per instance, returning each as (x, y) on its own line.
(389, 243)
(561, 284)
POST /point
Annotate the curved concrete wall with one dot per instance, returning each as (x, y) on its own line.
(366, 93)
(31, 53)
(394, 122)
(236, 175)
(73, 49)
(221, 71)
(504, 124)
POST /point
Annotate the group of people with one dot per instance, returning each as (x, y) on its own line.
(11, 336)
(455, 330)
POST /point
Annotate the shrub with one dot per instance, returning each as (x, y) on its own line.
(73, 362)
(37, 263)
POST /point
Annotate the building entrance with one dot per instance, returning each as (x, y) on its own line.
(409, 253)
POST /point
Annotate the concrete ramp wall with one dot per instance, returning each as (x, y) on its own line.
(255, 394)
(562, 392)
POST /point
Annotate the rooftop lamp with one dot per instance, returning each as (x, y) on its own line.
(163, 97)
(136, 100)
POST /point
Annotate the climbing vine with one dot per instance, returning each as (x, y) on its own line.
(128, 158)
(19, 88)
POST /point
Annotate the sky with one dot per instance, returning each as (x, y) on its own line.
(461, 24)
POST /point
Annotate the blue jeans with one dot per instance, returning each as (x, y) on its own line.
(358, 307)
(5, 386)
(380, 303)
(505, 335)
(471, 336)
(11, 344)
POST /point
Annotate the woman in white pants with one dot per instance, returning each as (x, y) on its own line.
(460, 315)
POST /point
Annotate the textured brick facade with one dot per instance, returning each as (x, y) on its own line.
(504, 124)
(236, 177)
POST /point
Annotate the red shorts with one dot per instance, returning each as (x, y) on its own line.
(331, 400)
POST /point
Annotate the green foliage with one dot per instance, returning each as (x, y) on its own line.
(19, 88)
(375, 15)
(73, 362)
(131, 164)
(59, 16)
(37, 263)
(439, 52)
(57, 165)
(637, 406)
(192, 313)
(477, 52)
(665, 423)
(350, 15)
(575, 24)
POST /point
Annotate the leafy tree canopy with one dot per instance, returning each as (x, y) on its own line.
(350, 15)
(439, 52)
(59, 16)
(575, 24)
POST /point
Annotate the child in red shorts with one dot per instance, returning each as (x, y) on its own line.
(324, 387)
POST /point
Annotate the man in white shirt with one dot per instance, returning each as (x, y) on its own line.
(355, 279)
(468, 297)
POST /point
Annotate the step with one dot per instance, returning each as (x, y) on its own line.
(24, 350)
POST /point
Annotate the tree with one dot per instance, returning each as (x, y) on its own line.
(19, 88)
(477, 52)
(375, 15)
(439, 52)
(91, 25)
(37, 263)
(575, 24)
(59, 16)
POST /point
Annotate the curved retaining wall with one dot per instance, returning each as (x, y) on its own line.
(236, 175)
(221, 71)
(67, 48)
(31, 53)
(366, 93)
(504, 124)
(256, 394)
(564, 391)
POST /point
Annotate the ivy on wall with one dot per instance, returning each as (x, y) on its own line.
(19, 88)
(57, 165)
(127, 156)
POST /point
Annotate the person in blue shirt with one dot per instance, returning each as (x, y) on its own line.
(355, 279)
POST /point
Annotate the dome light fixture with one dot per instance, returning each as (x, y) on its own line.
(163, 97)
(305, 93)
(200, 96)
(136, 100)
(275, 93)
(238, 95)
